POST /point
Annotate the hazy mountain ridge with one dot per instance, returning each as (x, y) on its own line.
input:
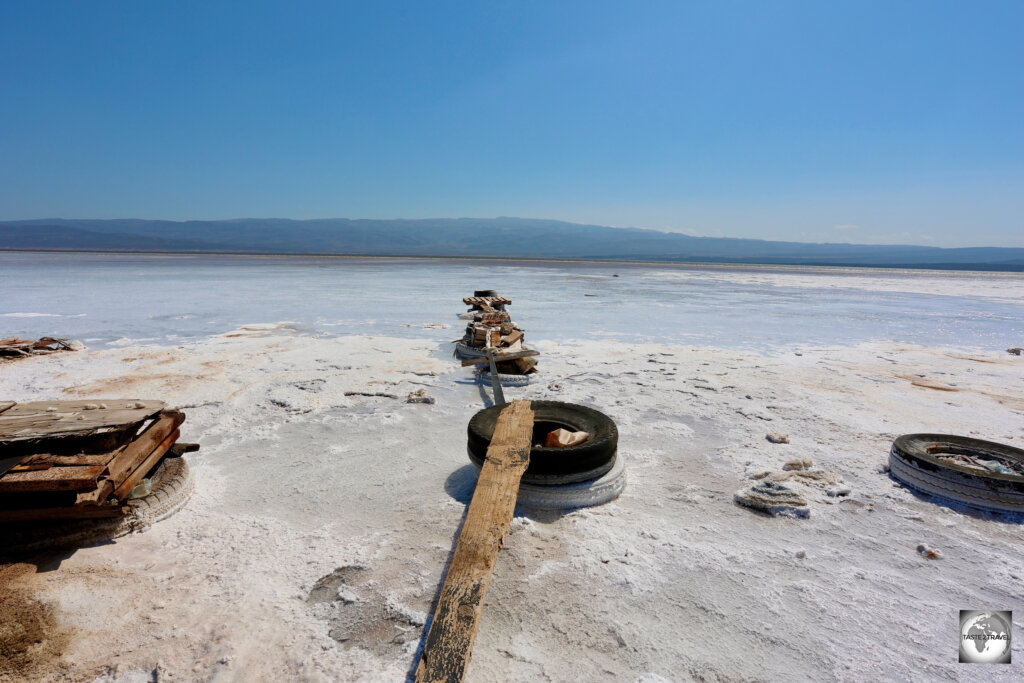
(472, 237)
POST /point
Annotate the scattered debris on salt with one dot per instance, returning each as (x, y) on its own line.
(775, 437)
(419, 396)
(929, 552)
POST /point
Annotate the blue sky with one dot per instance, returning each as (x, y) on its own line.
(814, 121)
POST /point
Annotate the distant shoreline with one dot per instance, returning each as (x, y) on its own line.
(739, 264)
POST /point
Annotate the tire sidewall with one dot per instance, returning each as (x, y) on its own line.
(596, 451)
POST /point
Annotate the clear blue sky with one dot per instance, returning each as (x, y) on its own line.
(852, 121)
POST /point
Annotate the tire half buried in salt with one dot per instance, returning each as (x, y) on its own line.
(171, 487)
(580, 494)
(982, 474)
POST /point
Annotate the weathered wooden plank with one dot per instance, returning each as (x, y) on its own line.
(486, 300)
(495, 318)
(512, 337)
(44, 459)
(449, 644)
(4, 405)
(53, 479)
(103, 490)
(138, 450)
(29, 468)
(139, 473)
(72, 512)
(180, 449)
(48, 419)
(501, 357)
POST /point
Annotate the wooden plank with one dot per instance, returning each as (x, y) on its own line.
(512, 338)
(125, 487)
(128, 460)
(75, 512)
(103, 490)
(501, 357)
(449, 644)
(180, 449)
(48, 459)
(49, 419)
(4, 405)
(495, 318)
(53, 479)
(488, 300)
(29, 468)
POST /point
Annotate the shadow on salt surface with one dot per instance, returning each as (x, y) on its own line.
(461, 483)
(996, 516)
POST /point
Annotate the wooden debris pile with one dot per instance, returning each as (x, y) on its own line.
(491, 330)
(81, 459)
(18, 348)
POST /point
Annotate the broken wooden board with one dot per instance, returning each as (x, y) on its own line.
(83, 478)
(512, 338)
(50, 460)
(139, 450)
(28, 347)
(500, 357)
(41, 420)
(77, 512)
(139, 473)
(449, 644)
(4, 405)
(495, 318)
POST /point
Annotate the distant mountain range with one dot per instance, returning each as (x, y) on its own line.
(473, 237)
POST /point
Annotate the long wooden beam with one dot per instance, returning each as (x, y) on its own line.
(449, 643)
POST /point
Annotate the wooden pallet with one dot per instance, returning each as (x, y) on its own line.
(80, 468)
(486, 301)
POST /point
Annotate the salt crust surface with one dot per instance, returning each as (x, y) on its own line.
(673, 581)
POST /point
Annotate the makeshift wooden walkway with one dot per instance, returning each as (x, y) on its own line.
(449, 644)
(79, 459)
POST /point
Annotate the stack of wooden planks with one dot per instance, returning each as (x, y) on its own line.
(493, 332)
(80, 459)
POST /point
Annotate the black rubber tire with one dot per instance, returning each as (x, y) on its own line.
(913, 462)
(593, 453)
(171, 486)
(535, 479)
(485, 292)
(571, 492)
